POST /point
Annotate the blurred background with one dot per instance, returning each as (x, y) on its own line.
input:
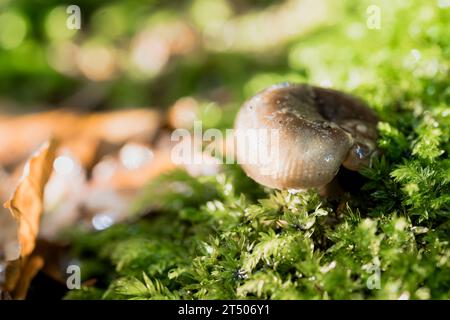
(149, 53)
(130, 54)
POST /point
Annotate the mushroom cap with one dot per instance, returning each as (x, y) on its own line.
(310, 132)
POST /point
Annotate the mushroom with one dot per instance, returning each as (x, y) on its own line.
(318, 129)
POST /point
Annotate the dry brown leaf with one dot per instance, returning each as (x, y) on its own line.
(120, 126)
(29, 270)
(19, 135)
(26, 208)
(26, 204)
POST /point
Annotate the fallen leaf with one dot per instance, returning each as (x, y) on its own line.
(30, 269)
(81, 133)
(26, 204)
(26, 208)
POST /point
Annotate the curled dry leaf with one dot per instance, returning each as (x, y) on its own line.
(20, 232)
(26, 204)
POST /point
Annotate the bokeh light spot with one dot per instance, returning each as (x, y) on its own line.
(13, 29)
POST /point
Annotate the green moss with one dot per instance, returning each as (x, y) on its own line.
(229, 238)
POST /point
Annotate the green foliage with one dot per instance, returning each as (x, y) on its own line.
(286, 246)
(137, 290)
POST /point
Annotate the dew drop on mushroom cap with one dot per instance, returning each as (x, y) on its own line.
(317, 130)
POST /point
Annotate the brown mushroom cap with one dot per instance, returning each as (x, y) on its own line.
(319, 129)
